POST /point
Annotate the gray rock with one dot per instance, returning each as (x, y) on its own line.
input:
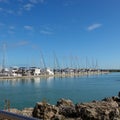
(101, 110)
(45, 111)
(58, 117)
(16, 111)
(27, 112)
(64, 102)
(66, 108)
(108, 109)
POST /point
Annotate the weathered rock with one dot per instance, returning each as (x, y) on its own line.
(108, 109)
(64, 102)
(16, 111)
(24, 112)
(27, 112)
(45, 111)
(58, 117)
(66, 108)
(67, 111)
(109, 99)
(114, 98)
(101, 110)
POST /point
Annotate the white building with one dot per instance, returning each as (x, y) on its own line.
(37, 72)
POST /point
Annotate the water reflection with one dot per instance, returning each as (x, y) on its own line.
(50, 78)
(37, 81)
(15, 82)
(49, 81)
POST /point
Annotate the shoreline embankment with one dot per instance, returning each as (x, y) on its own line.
(106, 109)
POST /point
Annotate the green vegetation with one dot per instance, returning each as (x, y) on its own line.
(114, 70)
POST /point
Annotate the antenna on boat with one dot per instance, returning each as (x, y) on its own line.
(65, 63)
(96, 66)
(93, 65)
(77, 62)
(71, 61)
(86, 63)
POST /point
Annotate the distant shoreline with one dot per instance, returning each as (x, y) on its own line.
(55, 75)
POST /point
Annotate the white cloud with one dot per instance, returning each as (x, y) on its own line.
(20, 1)
(36, 1)
(22, 43)
(12, 27)
(2, 24)
(1, 9)
(68, 3)
(11, 32)
(20, 10)
(45, 32)
(19, 43)
(6, 11)
(5, 1)
(94, 26)
(10, 11)
(28, 27)
(28, 6)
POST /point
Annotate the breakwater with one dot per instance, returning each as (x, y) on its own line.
(106, 109)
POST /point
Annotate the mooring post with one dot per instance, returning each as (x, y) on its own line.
(7, 105)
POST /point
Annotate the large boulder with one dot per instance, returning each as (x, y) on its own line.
(63, 102)
(44, 111)
(114, 98)
(101, 110)
(66, 108)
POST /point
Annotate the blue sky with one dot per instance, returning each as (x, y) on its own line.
(73, 29)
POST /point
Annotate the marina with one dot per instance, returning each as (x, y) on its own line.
(59, 60)
(73, 67)
(13, 73)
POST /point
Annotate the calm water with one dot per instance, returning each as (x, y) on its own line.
(25, 93)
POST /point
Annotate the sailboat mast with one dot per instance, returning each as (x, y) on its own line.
(42, 60)
(3, 59)
(56, 63)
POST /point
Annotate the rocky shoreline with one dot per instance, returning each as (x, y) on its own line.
(106, 109)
